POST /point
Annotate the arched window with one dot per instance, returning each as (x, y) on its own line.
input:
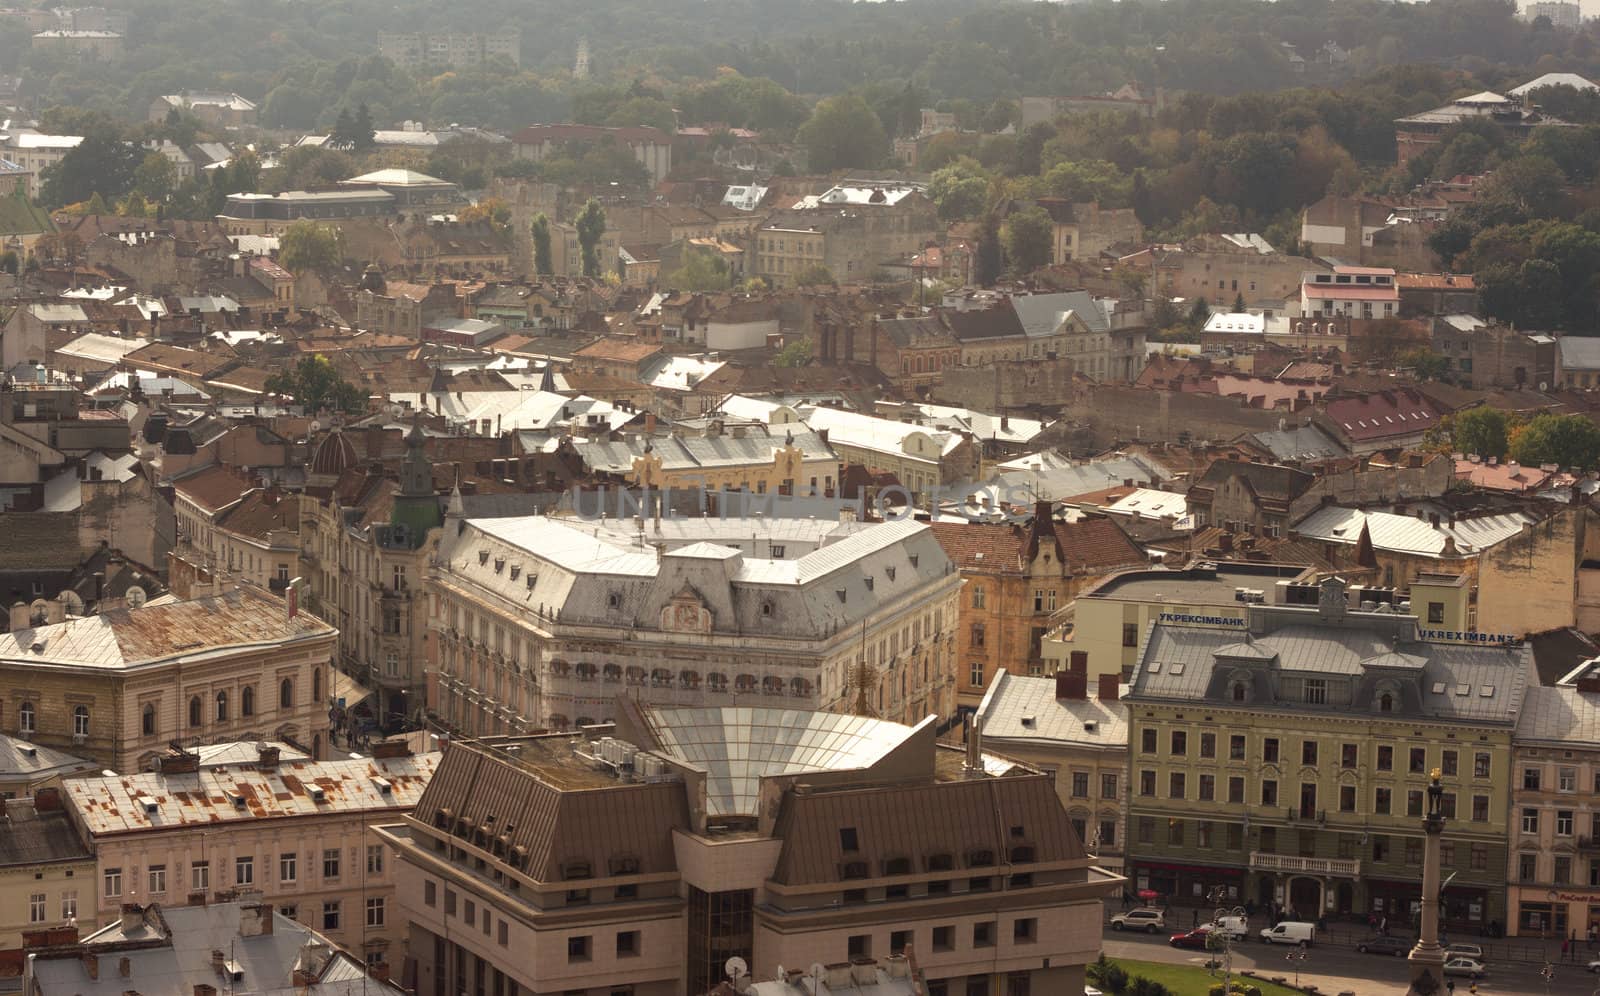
(1238, 691)
(1386, 702)
(25, 718)
(80, 721)
(147, 720)
(194, 711)
(247, 700)
(222, 707)
(286, 694)
(316, 684)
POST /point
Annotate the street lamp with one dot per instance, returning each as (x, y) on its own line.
(1427, 958)
(1298, 956)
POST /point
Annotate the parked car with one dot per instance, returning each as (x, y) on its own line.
(1144, 918)
(1384, 944)
(1473, 951)
(1236, 927)
(1291, 932)
(1594, 966)
(1462, 965)
(1195, 938)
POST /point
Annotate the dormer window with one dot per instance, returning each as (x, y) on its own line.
(483, 557)
(499, 564)
(1240, 692)
(868, 581)
(613, 601)
(889, 571)
(516, 569)
(766, 609)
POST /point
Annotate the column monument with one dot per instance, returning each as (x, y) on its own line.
(1427, 958)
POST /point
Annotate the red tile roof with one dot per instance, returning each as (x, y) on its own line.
(981, 547)
(1097, 544)
(1383, 413)
(213, 488)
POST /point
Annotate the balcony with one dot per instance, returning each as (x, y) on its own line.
(1290, 863)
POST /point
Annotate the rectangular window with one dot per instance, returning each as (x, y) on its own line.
(1347, 755)
(158, 879)
(200, 876)
(1385, 758)
(375, 913)
(1436, 613)
(1480, 809)
(1530, 779)
(1480, 765)
(1413, 802)
(1147, 783)
(1530, 821)
(1563, 823)
(1447, 764)
(1419, 760)
(1208, 788)
(330, 862)
(1235, 837)
(289, 867)
(69, 905)
(1447, 805)
(244, 871)
(375, 859)
(430, 894)
(944, 938)
(1147, 741)
(36, 903)
(113, 882)
(330, 915)
(859, 946)
(1527, 867)
(1147, 830)
(898, 940)
(1175, 832)
(1413, 851)
(1269, 750)
(1235, 789)
(1108, 833)
(1080, 785)
(627, 943)
(983, 935)
(975, 675)
(1480, 857)
(1202, 834)
(1208, 745)
(1347, 798)
(1025, 930)
(1316, 691)
(1566, 780)
(1108, 786)
(1180, 743)
(1236, 747)
(1269, 792)
(1381, 801)
(1308, 752)
(1380, 848)
(1176, 785)
(1130, 634)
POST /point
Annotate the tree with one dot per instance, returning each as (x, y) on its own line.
(541, 246)
(702, 270)
(843, 132)
(316, 385)
(156, 178)
(306, 245)
(815, 275)
(591, 225)
(959, 190)
(1481, 431)
(363, 135)
(1425, 363)
(1029, 237)
(796, 354)
(989, 261)
(1238, 303)
(101, 164)
(1199, 314)
(491, 211)
(1565, 440)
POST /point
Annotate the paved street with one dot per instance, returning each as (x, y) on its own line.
(1337, 968)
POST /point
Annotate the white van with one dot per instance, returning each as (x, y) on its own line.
(1290, 932)
(1234, 926)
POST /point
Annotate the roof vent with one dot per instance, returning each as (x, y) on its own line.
(1030, 722)
(841, 593)
(148, 804)
(1091, 725)
(237, 798)
(384, 786)
(1438, 688)
(316, 792)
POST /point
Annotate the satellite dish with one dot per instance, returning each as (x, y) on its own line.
(316, 426)
(73, 602)
(135, 597)
(736, 968)
(1544, 385)
(815, 971)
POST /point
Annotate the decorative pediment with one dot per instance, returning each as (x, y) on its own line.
(686, 612)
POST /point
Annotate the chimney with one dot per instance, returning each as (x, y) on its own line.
(132, 917)
(1078, 661)
(398, 747)
(1433, 519)
(1225, 541)
(204, 989)
(267, 756)
(255, 920)
(1043, 511)
(975, 743)
(46, 800)
(1072, 685)
(1110, 687)
(180, 762)
(219, 960)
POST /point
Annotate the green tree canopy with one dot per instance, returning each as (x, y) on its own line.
(542, 264)
(306, 245)
(815, 275)
(103, 163)
(591, 226)
(702, 270)
(843, 132)
(960, 190)
(1029, 236)
(1564, 440)
(315, 385)
(1481, 431)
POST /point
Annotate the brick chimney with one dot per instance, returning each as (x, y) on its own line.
(46, 800)
(1078, 661)
(132, 916)
(1110, 687)
(1225, 542)
(267, 756)
(1072, 685)
(398, 747)
(180, 762)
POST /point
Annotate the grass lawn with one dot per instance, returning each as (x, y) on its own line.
(1187, 980)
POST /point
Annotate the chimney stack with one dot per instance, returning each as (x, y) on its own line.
(267, 756)
(397, 747)
(1072, 685)
(1078, 661)
(1110, 687)
(255, 920)
(132, 917)
(975, 743)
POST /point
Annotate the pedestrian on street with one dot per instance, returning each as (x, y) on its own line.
(1564, 954)
(1196, 922)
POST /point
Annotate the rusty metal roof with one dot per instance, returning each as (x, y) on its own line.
(121, 804)
(128, 638)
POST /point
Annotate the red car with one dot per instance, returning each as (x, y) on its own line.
(1195, 938)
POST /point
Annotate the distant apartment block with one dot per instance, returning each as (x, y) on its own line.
(212, 107)
(1561, 15)
(422, 49)
(96, 44)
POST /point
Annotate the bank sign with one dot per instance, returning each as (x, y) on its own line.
(1186, 619)
(1463, 636)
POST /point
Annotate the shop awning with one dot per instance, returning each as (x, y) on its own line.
(347, 692)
